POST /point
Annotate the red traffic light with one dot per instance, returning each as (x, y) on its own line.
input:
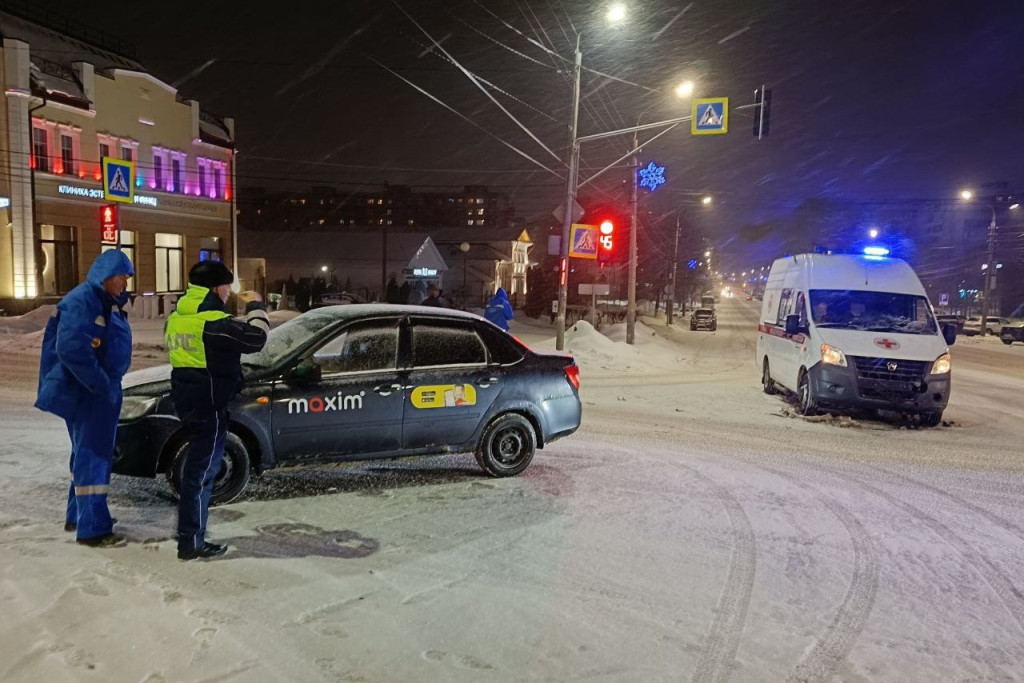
(108, 222)
(606, 241)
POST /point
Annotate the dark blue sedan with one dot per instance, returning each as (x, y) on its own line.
(366, 381)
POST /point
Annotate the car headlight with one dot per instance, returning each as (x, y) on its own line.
(832, 355)
(134, 407)
(941, 365)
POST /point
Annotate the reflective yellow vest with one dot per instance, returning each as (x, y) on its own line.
(183, 331)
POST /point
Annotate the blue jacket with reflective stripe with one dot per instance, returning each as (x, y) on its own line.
(87, 345)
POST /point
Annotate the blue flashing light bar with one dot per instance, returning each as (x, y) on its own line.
(876, 251)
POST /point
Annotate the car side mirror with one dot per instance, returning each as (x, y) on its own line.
(306, 372)
(793, 324)
(949, 333)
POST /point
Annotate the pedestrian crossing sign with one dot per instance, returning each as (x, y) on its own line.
(710, 116)
(118, 180)
(583, 241)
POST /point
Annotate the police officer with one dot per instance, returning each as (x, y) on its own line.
(205, 343)
(87, 348)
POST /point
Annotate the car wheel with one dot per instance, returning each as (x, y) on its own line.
(808, 406)
(714, 327)
(693, 328)
(988, 332)
(767, 383)
(1007, 341)
(931, 419)
(507, 446)
(230, 481)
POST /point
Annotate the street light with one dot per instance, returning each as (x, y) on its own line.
(683, 90)
(990, 257)
(615, 14)
(705, 201)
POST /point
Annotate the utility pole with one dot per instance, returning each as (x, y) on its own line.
(631, 286)
(570, 203)
(672, 277)
(989, 271)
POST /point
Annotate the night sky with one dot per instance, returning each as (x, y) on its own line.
(873, 100)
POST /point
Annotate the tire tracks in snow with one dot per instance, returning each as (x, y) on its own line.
(834, 645)
(719, 653)
(1008, 594)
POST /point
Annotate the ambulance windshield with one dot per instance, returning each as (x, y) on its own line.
(872, 311)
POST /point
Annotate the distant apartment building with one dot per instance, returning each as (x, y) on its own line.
(74, 96)
(394, 207)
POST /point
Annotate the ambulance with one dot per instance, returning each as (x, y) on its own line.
(845, 331)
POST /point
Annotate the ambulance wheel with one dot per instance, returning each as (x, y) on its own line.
(232, 478)
(767, 383)
(931, 419)
(808, 406)
(507, 446)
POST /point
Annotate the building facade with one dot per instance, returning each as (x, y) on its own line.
(70, 102)
(399, 207)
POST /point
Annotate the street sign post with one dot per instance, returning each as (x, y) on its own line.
(118, 180)
(710, 116)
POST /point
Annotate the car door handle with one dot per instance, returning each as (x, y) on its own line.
(387, 389)
(487, 381)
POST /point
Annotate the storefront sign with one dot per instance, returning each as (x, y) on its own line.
(165, 202)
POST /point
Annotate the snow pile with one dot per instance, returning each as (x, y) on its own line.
(30, 322)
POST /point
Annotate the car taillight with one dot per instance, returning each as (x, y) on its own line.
(572, 373)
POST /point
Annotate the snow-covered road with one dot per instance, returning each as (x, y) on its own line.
(693, 529)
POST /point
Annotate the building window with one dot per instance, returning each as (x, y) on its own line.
(169, 253)
(217, 184)
(158, 171)
(176, 185)
(127, 153)
(59, 259)
(202, 180)
(40, 150)
(127, 240)
(67, 154)
(104, 150)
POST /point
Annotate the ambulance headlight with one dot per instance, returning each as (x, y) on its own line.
(832, 356)
(941, 365)
(134, 407)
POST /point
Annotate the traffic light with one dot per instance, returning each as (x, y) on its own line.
(108, 222)
(606, 241)
(762, 111)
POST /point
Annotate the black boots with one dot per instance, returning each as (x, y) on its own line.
(208, 550)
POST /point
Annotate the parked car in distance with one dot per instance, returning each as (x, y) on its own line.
(1012, 332)
(956, 321)
(374, 381)
(972, 326)
(703, 319)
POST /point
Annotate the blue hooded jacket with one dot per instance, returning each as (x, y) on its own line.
(498, 310)
(87, 345)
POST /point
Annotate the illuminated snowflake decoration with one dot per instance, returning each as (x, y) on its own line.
(651, 176)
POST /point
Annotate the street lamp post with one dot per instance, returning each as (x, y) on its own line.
(570, 203)
(672, 278)
(631, 285)
(990, 265)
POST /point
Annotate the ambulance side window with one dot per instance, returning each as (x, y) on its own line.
(801, 308)
(785, 306)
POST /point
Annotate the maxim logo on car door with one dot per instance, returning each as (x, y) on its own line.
(326, 404)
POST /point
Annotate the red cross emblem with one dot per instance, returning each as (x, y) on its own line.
(887, 344)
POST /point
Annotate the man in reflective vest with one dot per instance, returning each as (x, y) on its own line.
(87, 348)
(205, 344)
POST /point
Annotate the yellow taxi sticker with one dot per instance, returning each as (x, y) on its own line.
(443, 396)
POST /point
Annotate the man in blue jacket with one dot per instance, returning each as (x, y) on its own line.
(205, 344)
(87, 349)
(498, 310)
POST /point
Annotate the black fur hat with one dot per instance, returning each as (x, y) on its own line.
(210, 274)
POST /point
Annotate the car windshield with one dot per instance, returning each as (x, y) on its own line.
(872, 311)
(293, 334)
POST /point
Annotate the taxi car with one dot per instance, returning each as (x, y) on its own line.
(361, 382)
